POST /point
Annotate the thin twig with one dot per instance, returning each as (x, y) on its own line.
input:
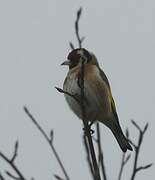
(100, 152)
(15, 152)
(14, 167)
(123, 163)
(58, 177)
(1, 177)
(144, 167)
(48, 140)
(132, 143)
(71, 45)
(137, 150)
(79, 39)
(121, 168)
(69, 94)
(12, 176)
(77, 27)
(88, 156)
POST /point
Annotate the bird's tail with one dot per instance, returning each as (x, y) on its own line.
(121, 139)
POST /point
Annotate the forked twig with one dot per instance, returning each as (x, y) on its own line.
(123, 163)
(79, 39)
(13, 166)
(137, 150)
(49, 140)
(124, 160)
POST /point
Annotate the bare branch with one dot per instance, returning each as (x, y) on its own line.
(79, 39)
(127, 133)
(58, 177)
(127, 158)
(12, 176)
(123, 163)
(65, 92)
(144, 167)
(77, 27)
(15, 152)
(122, 166)
(137, 150)
(88, 156)
(51, 136)
(48, 140)
(136, 125)
(100, 152)
(145, 128)
(1, 177)
(82, 39)
(132, 143)
(71, 45)
(14, 167)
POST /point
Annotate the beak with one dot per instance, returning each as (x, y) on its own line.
(67, 63)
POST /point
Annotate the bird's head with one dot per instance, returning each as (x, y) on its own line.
(76, 56)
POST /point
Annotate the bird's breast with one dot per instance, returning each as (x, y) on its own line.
(71, 86)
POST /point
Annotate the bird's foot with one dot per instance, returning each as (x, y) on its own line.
(91, 130)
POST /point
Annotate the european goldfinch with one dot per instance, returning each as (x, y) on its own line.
(98, 101)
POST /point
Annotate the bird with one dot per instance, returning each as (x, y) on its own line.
(98, 100)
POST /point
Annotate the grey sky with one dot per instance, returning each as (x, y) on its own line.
(34, 38)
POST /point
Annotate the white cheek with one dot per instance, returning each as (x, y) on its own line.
(80, 52)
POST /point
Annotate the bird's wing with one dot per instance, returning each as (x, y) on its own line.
(101, 87)
(113, 106)
(104, 77)
(98, 89)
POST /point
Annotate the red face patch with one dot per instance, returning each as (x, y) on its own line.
(73, 56)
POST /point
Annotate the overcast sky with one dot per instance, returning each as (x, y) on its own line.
(34, 38)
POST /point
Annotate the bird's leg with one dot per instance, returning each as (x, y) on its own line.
(91, 131)
(89, 126)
